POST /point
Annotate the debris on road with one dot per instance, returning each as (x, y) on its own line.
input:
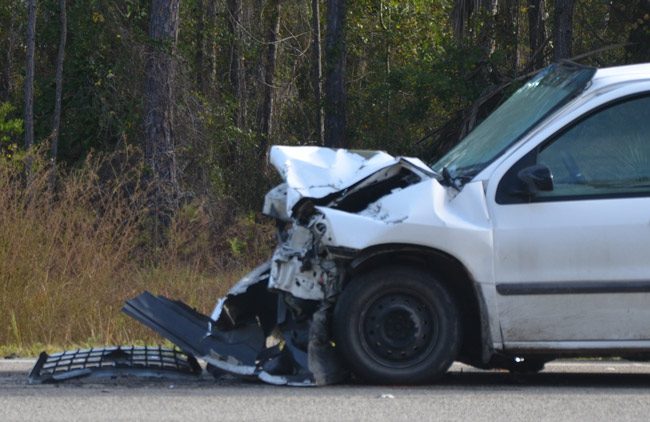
(110, 362)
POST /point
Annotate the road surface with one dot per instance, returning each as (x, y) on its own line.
(566, 390)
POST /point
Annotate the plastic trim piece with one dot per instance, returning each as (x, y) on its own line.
(109, 362)
(573, 287)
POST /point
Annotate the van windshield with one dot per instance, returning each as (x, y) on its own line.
(551, 88)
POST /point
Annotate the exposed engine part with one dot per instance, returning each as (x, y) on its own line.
(300, 265)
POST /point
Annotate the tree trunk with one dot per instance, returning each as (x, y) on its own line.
(199, 55)
(317, 70)
(460, 17)
(56, 121)
(212, 22)
(462, 22)
(29, 74)
(237, 66)
(563, 29)
(273, 23)
(487, 36)
(335, 58)
(386, 27)
(638, 48)
(536, 33)
(507, 36)
(159, 102)
(7, 73)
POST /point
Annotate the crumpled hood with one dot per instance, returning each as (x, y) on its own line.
(317, 172)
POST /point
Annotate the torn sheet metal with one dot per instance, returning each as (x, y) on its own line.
(255, 332)
(317, 172)
(300, 266)
(424, 214)
(192, 331)
(254, 277)
(111, 362)
(274, 324)
(354, 182)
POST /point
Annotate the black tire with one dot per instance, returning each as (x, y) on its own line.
(397, 325)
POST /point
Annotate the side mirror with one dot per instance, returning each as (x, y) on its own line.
(537, 178)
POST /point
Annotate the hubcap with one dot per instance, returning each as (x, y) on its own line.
(399, 329)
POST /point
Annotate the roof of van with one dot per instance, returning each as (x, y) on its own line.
(616, 74)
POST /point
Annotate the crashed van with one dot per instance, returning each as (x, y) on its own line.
(528, 241)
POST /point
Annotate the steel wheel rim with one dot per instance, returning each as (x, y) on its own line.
(398, 329)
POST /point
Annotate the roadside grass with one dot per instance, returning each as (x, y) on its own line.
(71, 256)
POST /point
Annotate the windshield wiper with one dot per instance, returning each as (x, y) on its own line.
(449, 180)
(455, 181)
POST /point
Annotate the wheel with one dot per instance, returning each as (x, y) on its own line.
(397, 325)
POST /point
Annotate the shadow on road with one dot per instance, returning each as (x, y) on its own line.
(573, 379)
(599, 375)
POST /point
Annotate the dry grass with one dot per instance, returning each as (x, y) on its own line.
(69, 260)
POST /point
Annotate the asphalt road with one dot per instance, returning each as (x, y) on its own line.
(566, 390)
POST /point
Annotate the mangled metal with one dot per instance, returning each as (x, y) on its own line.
(325, 175)
(300, 265)
(111, 362)
(254, 331)
(274, 324)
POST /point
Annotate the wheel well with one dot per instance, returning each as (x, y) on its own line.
(452, 274)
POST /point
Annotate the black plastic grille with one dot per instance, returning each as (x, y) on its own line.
(113, 361)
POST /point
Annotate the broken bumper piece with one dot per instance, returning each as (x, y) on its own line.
(254, 332)
(191, 331)
(110, 362)
(233, 351)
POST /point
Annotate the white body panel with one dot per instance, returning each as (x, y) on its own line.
(585, 241)
(424, 214)
(574, 241)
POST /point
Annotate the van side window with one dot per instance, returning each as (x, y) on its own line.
(606, 153)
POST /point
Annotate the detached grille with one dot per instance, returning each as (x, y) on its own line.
(107, 362)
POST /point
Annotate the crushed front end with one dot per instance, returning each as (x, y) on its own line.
(274, 324)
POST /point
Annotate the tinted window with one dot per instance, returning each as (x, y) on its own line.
(606, 153)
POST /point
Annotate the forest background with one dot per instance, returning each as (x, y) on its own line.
(134, 133)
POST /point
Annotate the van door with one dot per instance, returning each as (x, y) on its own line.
(572, 264)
